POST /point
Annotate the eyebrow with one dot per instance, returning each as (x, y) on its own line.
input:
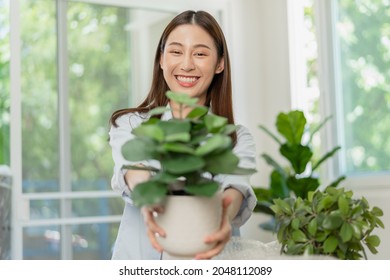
(196, 46)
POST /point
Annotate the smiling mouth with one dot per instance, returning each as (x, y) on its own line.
(186, 79)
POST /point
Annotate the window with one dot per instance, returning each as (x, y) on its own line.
(73, 63)
(76, 67)
(355, 62)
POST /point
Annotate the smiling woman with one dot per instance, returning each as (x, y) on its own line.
(191, 58)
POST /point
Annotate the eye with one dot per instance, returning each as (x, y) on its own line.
(175, 52)
(199, 54)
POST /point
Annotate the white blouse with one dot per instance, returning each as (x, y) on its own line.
(132, 241)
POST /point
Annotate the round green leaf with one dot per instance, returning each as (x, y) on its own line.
(203, 189)
(343, 205)
(333, 221)
(223, 163)
(346, 232)
(198, 112)
(214, 143)
(182, 164)
(150, 131)
(312, 227)
(148, 193)
(330, 244)
(373, 240)
(138, 149)
(214, 123)
(299, 236)
(295, 223)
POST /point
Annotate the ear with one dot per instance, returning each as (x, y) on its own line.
(220, 66)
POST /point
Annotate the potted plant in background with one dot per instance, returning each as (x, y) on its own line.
(330, 222)
(299, 176)
(189, 151)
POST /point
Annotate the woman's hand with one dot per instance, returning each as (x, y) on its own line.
(220, 237)
(152, 228)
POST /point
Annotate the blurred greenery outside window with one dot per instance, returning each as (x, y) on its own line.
(98, 81)
(363, 44)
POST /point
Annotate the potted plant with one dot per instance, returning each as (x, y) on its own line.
(330, 222)
(190, 151)
(299, 176)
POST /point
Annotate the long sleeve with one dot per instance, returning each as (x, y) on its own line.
(119, 135)
(246, 151)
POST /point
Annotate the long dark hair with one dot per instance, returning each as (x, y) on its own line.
(219, 94)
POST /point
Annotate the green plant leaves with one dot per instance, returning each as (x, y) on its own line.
(175, 130)
(297, 155)
(148, 193)
(182, 164)
(291, 126)
(346, 232)
(139, 149)
(330, 244)
(202, 189)
(214, 123)
(214, 143)
(327, 222)
(222, 163)
(187, 148)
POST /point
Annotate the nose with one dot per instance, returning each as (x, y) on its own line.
(188, 63)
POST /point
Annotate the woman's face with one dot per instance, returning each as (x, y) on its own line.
(190, 61)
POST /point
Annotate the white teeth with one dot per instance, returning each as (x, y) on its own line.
(186, 79)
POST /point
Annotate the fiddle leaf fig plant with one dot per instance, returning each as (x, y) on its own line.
(298, 176)
(329, 222)
(189, 150)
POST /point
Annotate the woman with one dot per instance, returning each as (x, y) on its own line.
(192, 58)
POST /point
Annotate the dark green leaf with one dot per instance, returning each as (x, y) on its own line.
(330, 244)
(178, 148)
(148, 193)
(291, 126)
(203, 189)
(312, 227)
(297, 155)
(346, 232)
(151, 131)
(198, 112)
(332, 221)
(299, 236)
(214, 143)
(301, 186)
(278, 185)
(343, 205)
(173, 127)
(182, 164)
(373, 240)
(223, 163)
(138, 149)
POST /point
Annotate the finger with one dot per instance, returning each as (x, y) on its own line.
(153, 241)
(211, 253)
(151, 223)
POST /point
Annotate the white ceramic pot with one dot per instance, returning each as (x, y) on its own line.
(187, 220)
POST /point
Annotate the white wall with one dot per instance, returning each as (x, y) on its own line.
(259, 54)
